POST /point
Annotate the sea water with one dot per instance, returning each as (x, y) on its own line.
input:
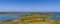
(7, 16)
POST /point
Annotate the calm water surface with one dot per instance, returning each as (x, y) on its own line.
(7, 16)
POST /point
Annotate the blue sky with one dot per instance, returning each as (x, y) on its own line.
(29, 5)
